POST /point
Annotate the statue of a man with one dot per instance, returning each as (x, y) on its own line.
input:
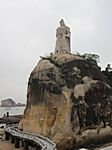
(63, 38)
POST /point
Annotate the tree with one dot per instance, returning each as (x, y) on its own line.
(94, 58)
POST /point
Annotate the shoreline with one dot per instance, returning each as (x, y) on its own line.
(10, 119)
(14, 106)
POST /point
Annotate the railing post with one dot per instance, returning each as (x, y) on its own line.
(6, 136)
(26, 145)
(17, 143)
(37, 147)
(22, 143)
(12, 139)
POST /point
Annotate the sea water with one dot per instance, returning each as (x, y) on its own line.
(11, 110)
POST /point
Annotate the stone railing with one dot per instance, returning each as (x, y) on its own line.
(43, 142)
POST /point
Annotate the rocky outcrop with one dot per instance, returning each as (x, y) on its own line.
(7, 102)
(68, 100)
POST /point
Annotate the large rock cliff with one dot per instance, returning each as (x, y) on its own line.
(69, 101)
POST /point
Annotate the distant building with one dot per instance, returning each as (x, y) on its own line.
(7, 102)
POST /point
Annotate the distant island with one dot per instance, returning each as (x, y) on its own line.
(10, 103)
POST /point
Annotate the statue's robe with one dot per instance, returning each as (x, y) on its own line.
(63, 39)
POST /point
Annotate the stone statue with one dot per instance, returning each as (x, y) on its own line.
(63, 38)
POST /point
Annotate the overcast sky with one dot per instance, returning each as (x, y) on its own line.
(28, 28)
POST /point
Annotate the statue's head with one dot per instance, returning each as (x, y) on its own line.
(62, 23)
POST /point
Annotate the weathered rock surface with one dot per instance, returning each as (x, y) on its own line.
(66, 97)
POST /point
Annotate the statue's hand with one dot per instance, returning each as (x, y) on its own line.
(67, 35)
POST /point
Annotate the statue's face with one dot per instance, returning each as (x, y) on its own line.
(62, 23)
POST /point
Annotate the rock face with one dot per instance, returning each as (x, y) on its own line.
(66, 96)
